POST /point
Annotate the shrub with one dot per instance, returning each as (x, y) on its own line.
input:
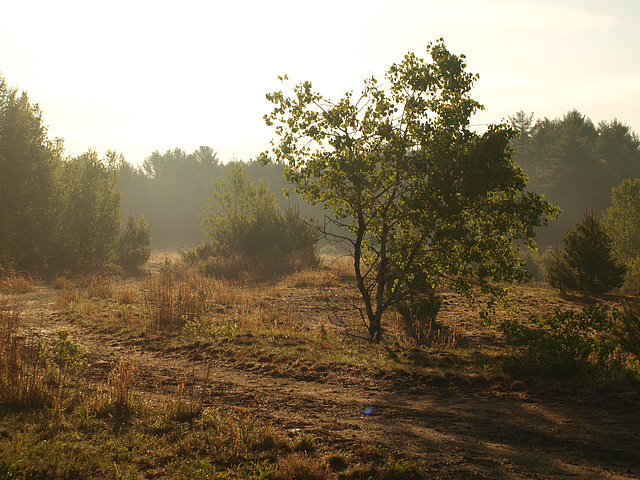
(134, 246)
(627, 327)
(562, 345)
(244, 222)
(419, 313)
(65, 360)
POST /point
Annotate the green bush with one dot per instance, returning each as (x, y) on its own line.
(563, 345)
(245, 224)
(627, 326)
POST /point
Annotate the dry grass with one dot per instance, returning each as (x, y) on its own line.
(308, 278)
(63, 283)
(121, 381)
(16, 283)
(126, 296)
(101, 285)
(21, 375)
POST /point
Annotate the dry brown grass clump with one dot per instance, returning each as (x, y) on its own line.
(121, 381)
(127, 296)
(308, 278)
(16, 283)
(100, 285)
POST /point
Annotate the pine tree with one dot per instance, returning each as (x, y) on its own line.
(588, 251)
(557, 271)
(134, 247)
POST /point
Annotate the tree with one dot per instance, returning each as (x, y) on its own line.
(557, 271)
(619, 150)
(134, 245)
(89, 227)
(175, 185)
(574, 163)
(240, 214)
(623, 224)
(29, 167)
(623, 220)
(417, 191)
(244, 219)
(588, 253)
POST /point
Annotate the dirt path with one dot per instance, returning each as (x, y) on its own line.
(459, 430)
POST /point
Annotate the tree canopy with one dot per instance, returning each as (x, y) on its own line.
(420, 194)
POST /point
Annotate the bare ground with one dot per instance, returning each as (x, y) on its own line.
(461, 427)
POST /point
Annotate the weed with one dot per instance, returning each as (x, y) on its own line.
(126, 296)
(65, 361)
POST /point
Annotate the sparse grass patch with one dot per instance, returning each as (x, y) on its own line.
(87, 443)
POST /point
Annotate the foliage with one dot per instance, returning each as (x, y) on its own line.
(420, 308)
(29, 169)
(65, 361)
(244, 220)
(622, 221)
(558, 272)
(414, 187)
(54, 213)
(88, 232)
(627, 327)
(33, 374)
(565, 344)
(588, 254)
(134, 246)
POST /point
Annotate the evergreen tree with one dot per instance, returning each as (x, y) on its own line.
(588, 251)
(134, 246)
(557, 271)
(89, 226)
(29, 167)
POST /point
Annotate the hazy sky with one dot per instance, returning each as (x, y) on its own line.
(137, 76)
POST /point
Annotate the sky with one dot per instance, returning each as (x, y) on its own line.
(142, 76)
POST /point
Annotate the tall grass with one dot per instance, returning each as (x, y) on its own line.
(121, 380)
(21, 375)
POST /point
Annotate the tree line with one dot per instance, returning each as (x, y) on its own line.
(170, 189)
(419, 199)
(58, 213)
(574, 163)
